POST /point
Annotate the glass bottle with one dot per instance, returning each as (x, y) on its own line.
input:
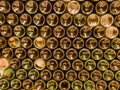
(31, 7)
(58, 75)
(16, 84)
(39, 64)
(64, 85)
(21, 74)
(58, 54)
(65, 65)
(18, 7)
(45, 53)
(52, 64)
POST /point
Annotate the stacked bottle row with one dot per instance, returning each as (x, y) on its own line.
(59, 31)
(59, 75)
(63, 85)
(65, 64)
(60, 7)
(58, 54)
(65, 20)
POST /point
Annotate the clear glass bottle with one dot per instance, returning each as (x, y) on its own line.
(39, 64)
(73, 7)
(21, 74)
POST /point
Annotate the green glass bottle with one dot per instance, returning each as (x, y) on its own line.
(76, 85)
(4, 84)
(33, 74)
(108, 75)
(40, 84)
(21, 74)
(52, 85)
(31, 7)
(27, 64)
(89, 85)
(9, 74)
(16, 84)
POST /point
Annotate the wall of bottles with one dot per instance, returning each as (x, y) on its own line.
(60, 44)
